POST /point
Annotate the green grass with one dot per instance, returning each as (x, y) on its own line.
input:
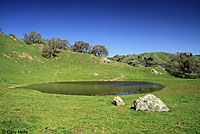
(33, 111)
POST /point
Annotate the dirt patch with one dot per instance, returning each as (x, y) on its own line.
(28, 56)
(16, 86)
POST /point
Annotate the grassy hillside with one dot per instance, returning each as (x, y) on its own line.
(21, 61)
(158, 58)
(37, 112)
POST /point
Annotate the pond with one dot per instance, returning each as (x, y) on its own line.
(91, 88)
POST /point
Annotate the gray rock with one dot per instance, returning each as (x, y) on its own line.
(150, 103)
(108, 61)
(105, 60)
(118, 101)
(154, 71)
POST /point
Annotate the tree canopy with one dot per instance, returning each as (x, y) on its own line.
(64, 43)
(51, 45)
(99, 50)
(50, 48)
(33, 37)
(81, 46)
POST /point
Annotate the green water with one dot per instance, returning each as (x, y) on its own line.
(96, 87)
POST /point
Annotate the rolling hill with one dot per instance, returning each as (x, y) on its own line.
(159, 58)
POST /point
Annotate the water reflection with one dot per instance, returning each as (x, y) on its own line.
(96, 87)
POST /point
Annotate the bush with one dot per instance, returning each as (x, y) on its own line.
(12, 35)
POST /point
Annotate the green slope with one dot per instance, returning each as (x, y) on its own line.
(36, 112)
(159, 58)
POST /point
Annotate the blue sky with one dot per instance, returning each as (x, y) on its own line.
(123, 26)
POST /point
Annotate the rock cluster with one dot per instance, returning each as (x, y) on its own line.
(150, 103)
(25, 55)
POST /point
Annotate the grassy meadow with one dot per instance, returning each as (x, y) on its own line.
(36, 112)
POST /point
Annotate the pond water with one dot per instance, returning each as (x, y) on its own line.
(91, 88)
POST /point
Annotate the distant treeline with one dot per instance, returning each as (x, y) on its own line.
(51, 46)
